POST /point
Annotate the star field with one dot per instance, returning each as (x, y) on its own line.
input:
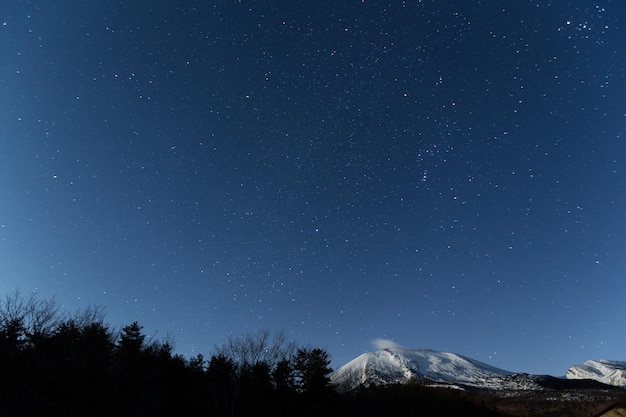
(450, 176)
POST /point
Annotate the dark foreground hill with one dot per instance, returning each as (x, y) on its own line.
(421, 398)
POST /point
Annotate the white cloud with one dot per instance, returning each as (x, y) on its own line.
(385, 344)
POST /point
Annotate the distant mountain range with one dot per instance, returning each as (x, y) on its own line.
(400, 365)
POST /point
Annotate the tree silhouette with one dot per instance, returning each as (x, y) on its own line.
(283, 376)
(251, 348)
(132, 339)
(313, 370)
(27, 320)
(222, 383)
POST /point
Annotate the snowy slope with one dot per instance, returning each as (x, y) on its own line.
(399, 365)
(605, 371)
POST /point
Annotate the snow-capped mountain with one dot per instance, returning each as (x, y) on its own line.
(399, 365)
(605, 371)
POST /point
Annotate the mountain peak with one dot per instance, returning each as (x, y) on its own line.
(605, 371)
(398, 365)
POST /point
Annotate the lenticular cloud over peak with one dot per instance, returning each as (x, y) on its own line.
(385, 344)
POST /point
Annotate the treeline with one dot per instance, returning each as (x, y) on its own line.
(57, 364)
(78, 365)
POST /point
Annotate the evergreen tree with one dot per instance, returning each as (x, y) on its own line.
(132, 339)
(313, 370)
(222, 385)
(283, 376)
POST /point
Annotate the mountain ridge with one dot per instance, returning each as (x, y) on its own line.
(393, 365)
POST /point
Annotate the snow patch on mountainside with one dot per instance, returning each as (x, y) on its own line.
(605, 371)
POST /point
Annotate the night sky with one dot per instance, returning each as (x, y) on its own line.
(450, 175)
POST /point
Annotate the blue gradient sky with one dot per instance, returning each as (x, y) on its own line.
(447, 176)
